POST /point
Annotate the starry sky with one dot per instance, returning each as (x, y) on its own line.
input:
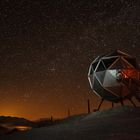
(46, 47)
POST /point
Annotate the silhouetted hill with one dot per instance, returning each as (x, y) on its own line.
(3, 130)
(10, 121)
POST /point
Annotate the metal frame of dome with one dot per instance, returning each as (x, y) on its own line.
(111, 75)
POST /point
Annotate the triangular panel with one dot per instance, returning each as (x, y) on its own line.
(100, 67)
(94, 65)
(109, 79)
(100, 76)
(108, 62)
(120, 64)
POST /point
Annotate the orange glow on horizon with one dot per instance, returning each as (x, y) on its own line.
(34, 109)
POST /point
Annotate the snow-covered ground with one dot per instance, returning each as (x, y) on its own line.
(114, 124)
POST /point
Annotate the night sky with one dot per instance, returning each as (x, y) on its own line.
(46, 47)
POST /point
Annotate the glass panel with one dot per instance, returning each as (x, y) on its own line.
(108, 62)
(94, 65)
(100, 67)
(102, 92)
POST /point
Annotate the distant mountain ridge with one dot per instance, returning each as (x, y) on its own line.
(7, 120)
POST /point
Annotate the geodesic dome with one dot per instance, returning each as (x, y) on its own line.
(114, 76)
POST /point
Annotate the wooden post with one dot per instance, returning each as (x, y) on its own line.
(68, 112)
(122, 103)
(88, 102)
(112, 104)
(51, 118)
(130, 81)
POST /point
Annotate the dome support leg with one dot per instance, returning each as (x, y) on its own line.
(100, 104)
(122, 103)
(112, 104)
(132, 102)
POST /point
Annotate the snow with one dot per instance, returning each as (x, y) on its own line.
(119, 123)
